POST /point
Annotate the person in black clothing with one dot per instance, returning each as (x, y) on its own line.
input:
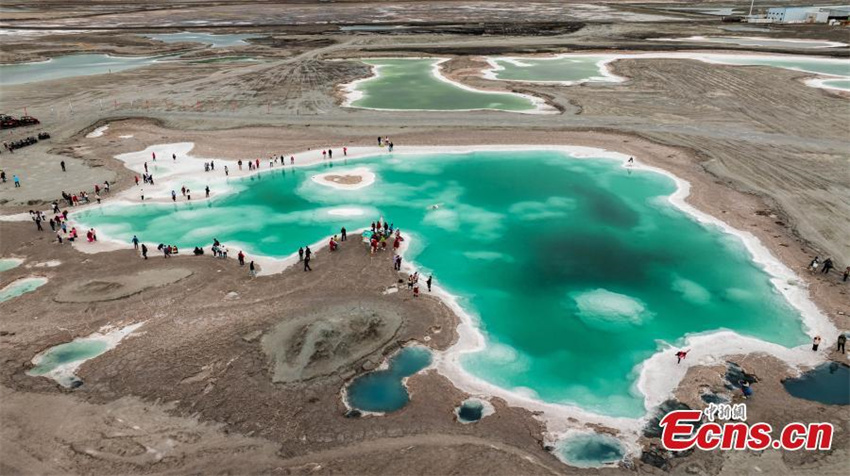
(307, 252)
(144, 251)
(300, 254)
(344, 235)
(429, 281)
(62, 164)
(307, 263)
(827, 266)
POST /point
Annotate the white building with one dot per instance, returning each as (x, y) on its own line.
(800, 14)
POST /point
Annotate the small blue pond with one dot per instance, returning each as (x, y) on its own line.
(383, 390)
(590, 450)
(827, 383)
(470, 411)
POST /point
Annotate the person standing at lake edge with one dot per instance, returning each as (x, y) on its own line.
(842, 340)
(428, 282)
(135, 241)
(300, 254)
(815, 343)
(144, 251)
(343, 234)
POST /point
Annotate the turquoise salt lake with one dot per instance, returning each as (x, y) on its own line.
(575, 269)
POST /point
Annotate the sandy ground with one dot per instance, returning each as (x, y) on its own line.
(764, 152)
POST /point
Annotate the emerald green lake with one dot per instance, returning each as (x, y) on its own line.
(580, 68)
(411, 84)
(575, 269)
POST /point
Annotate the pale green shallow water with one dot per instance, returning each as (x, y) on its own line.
(69, 66)
(592, 450)
(838, 83)
(74, 351)
(766, 42)
(580, 68)
(575, 268)
(19, 287)
(216, 41)
(410, 84)
(9, 263)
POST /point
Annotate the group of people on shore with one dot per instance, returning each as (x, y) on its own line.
(386, 142)
(59, 225)
(380, 235)
(82, 198)
(826, 266)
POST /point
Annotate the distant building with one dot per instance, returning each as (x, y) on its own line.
(804, 14)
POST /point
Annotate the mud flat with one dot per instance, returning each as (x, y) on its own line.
(111, 288)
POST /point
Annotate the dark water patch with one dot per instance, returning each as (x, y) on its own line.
(383, 390)
(652, 429)
(828, 383)
(715, 398)
(472, 410)
(735, 375)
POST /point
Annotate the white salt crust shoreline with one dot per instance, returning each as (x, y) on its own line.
(657, 377)
(491, 73)
(354, 94)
